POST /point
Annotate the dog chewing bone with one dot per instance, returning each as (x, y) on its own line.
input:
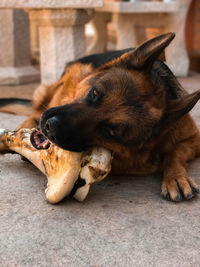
(67, 172)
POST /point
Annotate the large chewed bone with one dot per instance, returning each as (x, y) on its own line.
(68, 173)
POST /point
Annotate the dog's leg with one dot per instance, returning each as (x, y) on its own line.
(177, 184)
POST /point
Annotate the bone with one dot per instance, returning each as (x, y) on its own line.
(67, 172)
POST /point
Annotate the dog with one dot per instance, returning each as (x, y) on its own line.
(130, 103)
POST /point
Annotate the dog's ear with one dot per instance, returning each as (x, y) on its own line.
(146, 53)
(143, 56)
(178, 108)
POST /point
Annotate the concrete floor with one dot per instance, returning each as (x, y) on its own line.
(123, 222)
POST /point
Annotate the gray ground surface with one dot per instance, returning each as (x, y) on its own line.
(123, 222)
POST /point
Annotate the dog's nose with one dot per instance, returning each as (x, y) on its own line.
(51, 126)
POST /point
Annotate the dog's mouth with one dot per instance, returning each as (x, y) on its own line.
(39, 140)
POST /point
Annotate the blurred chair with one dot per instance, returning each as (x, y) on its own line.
(131, 19)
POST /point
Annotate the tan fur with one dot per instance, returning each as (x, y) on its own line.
(179, 145)
(59, 93)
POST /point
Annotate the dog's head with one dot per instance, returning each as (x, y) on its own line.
(123, 103)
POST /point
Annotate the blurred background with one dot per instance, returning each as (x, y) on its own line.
(37, 40)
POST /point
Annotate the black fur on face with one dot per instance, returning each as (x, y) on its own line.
(113, 111)
(126, 102)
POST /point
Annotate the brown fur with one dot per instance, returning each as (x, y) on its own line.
(168, 150)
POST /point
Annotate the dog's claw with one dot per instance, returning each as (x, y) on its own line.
(168, 197)
(177, 189)
(189, 196)
(195, 190)
(178, 198)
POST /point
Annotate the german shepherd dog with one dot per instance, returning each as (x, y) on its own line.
(130, 103)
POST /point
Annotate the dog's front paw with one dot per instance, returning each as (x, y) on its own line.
(179, 188)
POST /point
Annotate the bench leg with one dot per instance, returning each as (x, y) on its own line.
(15, 67)
(125, 29)
(99, 24)
(62, 39)
(34, 42)
(176, 54)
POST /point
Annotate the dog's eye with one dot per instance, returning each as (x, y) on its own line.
(111, 132)
(108, 131)
(94, 94)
